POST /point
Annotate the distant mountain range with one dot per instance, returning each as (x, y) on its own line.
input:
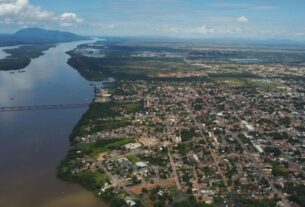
(38, 36)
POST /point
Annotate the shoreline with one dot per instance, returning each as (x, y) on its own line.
(85, 180)
(16, 60)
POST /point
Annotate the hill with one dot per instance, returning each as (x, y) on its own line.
(38, 36)
(43, 35)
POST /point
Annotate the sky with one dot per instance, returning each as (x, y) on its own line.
(252, 19)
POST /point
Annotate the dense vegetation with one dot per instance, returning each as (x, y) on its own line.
(21, 57)
(143, 60)
(94, 180)
(90, 180)
(187, 135)
(297, 193)
(118, 67)
(100, 110)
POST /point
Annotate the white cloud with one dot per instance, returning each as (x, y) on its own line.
(111, 26)
(204, 30)
(104, 26)
(16, 11)
(21, 9)
(173, 30)
(242, 19)
(8, 8)
(69, 19)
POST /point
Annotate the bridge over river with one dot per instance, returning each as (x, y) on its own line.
(43, 107)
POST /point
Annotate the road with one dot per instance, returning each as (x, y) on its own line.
(174, 169)
(214, 156)
(172, 162)
(196, 183)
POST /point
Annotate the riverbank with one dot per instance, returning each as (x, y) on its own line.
(22, 56)
(81, 163)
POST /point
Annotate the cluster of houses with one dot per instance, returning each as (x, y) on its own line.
(210, 138)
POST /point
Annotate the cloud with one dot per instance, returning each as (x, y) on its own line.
(21, 11)
(299, 34)
(203, 30)
(8, 8)
(173, 30)
(242, 19)
(69, 19)
(111, 26)
(104, 26)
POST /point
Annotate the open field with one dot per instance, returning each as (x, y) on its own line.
(126, 59)
(149, 186)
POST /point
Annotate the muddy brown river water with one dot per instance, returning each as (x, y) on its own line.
(32, 143)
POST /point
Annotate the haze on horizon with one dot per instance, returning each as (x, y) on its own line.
(253, 19)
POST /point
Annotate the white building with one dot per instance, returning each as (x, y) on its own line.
(132, 146)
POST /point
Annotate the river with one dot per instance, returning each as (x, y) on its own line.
(32, 143)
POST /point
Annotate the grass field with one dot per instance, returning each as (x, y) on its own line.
(103, 146)
(133, 158)
(259, 83)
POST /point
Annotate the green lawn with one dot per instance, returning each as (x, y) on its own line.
(134, 159)
(103, 147)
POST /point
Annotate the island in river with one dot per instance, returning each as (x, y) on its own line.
(21, 57)
(35, 42)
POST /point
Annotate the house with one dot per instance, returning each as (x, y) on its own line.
(140, 164)
(129, 201)
(132, 146)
